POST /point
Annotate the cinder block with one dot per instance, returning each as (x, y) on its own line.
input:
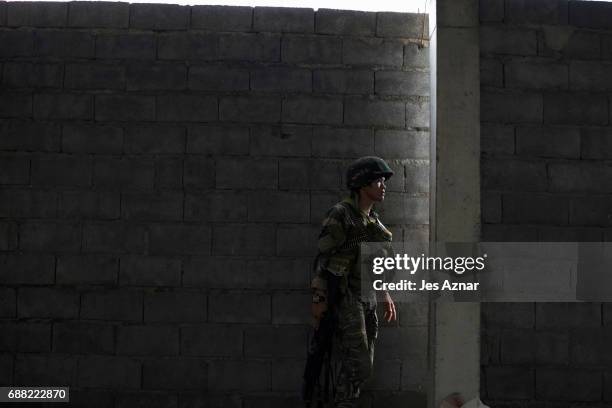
(30, 136)
(568, 234)
(239, 307)
(64, 44)
(416, 56)
(218, 78)
(595, 143)
(291, 307)
(491, 10)
(572, 108)
(187, 108)
(544, 12)
(61, 170)
(417, 113)
(372, 51)
(146, 398)
(281, 79)
(244, 239)
(523, 74)
(149, 271)
(159, 16)
(144, 77)
(198, 173)
(581, 45)
(30, 269)
(218, 140)
(508, 315)
(399, 144)
(414, 373)
(25, 337)
(88, 14)
(6, 364)
(509, 382)
(220, 272)
(548, 141)
(113, 237)
(280, 273)
(588, 347)
(36, 14)
(278, 207)
(211, 340)
(261, 47)
(513, 41)
(579, 177)
(88, 204)
(63, 106)
(179, 239)
(187, 46)
(47, 303)
(169, 173)
(513, 175)
(407, 25)
(114, 304)
(296, 239)
(375, 112)
(29, 75)
(400, 208)
(126, 46)
(125, 108)
(343, 82)
(345, 22)
(280, 141)
(287, 374)
(175, 307)
(87, 269)
(511, 107)
(16, 170)
(222, 18)
(266, 109)
(214, 401)
(272, 401)
(491, 207)
(283, 19)
(8, 302)
(417, 177)
(491, 72)
(568, 385)
(147, 340)
(87, 138)
(509, 233)
(216, 206)
(109, 372)
(17, 43)
(535, 209)
(552, 347)
(590, 76)
(36, 369)
(342, 142)
(395, 343)
(591, 15)
(496, 138)
(275, 342)
(83, 338)
(161, 206)
(311, 109)
(606, 47)
(15, 105)
(402, 83)
(309, 174)
(155, 139)
(50, 236)
(175, 374)
(568, 315)
(247, 173)
(243, 376)
(311, 50)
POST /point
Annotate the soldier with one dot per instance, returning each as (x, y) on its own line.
(346, 225)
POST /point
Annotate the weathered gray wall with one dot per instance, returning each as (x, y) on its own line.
(546, 176)
(164, 169)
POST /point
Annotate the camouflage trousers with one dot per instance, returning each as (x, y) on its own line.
(356, 333)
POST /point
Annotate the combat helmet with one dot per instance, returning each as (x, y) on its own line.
(365, 170)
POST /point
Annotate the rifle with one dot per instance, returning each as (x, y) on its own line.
(320, 348)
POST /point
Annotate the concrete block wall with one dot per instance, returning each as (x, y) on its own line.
(164, 173)
(546, 131)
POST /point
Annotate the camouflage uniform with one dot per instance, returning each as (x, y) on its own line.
(344, 228)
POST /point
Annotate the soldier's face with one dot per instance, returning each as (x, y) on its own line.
(375, 191)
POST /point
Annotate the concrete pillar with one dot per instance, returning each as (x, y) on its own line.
(455, 203)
